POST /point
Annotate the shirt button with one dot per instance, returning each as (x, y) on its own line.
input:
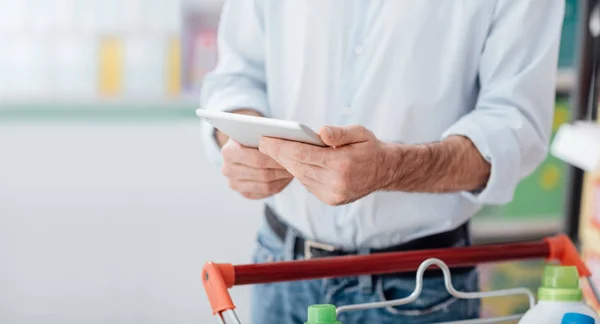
(359, 49)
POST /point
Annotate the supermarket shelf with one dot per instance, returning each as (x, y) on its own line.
(132, 107)
(122, 114)
(565, 81)
(97, 109)
(93, 101)
(492, 230)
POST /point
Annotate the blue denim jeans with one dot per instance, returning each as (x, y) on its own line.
(287, 302)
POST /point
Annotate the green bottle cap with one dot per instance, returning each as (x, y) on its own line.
(322, 314)
(560, 283)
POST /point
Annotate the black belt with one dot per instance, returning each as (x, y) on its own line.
(311, 249)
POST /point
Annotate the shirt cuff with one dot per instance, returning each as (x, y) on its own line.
(496, 143)
(226, 101)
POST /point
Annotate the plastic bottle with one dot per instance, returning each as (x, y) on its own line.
(559, 294)
(322, 314)
(576, 318)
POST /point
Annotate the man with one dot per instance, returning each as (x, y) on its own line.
(451, 105)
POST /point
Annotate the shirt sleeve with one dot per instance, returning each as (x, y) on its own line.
(238, 81)
(511, 123)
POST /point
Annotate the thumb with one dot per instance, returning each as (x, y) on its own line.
(338, 136)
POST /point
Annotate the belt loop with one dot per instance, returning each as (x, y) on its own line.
(289, 244)
(365, 283)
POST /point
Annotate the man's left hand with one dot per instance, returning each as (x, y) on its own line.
(354, 165)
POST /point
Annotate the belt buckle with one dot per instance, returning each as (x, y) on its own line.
(308, 245)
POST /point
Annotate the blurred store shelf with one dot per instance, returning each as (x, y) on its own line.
(134, 51)
(565, 81)
(96, 109)
(95, 101)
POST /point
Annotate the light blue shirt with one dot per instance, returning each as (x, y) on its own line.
(410, 71)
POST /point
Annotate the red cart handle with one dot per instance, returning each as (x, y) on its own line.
(217, 278)
(564, 251)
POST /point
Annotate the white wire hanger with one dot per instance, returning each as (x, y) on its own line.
(458, 294)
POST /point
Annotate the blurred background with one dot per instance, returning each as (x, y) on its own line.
(108, 207)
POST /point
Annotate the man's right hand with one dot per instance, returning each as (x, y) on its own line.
(251, 173)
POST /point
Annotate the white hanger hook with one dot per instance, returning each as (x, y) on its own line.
(451, 290)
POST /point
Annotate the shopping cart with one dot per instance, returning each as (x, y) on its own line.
(218, 278)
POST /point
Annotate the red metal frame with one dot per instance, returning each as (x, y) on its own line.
(217, 278)
(395, 262)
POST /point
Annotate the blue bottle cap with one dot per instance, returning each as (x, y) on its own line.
(576, 318)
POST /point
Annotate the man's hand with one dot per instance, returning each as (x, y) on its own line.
(352, 167)
(251, 173)
(357, 164)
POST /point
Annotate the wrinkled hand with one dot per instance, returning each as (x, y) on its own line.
(352, 167)
(252, 173)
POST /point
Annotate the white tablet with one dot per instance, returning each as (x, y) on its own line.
(248, 130)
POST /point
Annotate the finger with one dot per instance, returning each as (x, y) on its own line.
(339, 136)
(254, 196)
(276, 187)
(312, 187)
(244, 172)
(302, 170)
(259, 188)
(234, 152)
(322, 192)
(306, 153)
